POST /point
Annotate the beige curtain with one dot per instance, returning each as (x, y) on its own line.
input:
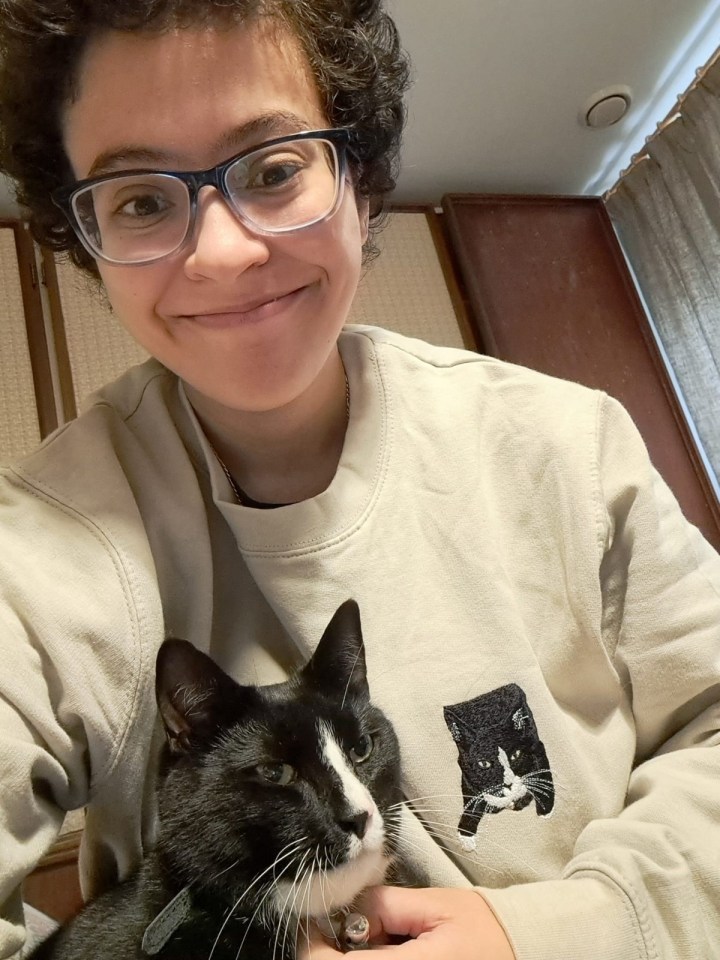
(666, 210)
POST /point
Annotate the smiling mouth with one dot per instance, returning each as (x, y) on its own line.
(247, 316)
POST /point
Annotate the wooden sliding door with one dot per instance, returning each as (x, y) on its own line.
(547, 286)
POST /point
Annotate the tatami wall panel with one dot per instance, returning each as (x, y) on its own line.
(19, 426)
(404, 289)
(98, 347)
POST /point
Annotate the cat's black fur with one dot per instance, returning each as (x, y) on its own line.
(223, 822)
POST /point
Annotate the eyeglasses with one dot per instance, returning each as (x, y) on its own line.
(140, 216)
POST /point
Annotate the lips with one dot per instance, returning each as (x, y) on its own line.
(246, 314)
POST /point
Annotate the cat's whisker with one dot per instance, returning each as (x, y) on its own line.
(456, 854)
(436, 810)
(407, 801)
(449, 837)
(250, 922)
(311, 876)
(554, 787)
(541, 802)
(542, 787)
(422, 814)
(280, 920)
(221, 872)
(302, 922)
(281, 926)
(488, 842)
(532, 778)
(436, 823)
(322, 874)
(539, 786)
(287, 851)
(410, 802)
(407, 843)
(287, 911)
(293, 912)
(537, 775)
(270, 888)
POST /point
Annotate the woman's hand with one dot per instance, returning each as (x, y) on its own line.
(442, 924)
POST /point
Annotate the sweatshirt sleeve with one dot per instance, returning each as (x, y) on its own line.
(644, 885)
(69, 677)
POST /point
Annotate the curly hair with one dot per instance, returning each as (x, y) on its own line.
(352, 47)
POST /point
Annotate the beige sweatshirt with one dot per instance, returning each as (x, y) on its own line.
(516, 559)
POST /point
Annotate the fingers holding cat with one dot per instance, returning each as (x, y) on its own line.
(441, 924)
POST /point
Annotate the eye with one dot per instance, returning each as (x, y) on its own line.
(362, 749)
(135, 199)
(280, 774)
(484, 764)
(148, 205)
(516, 754)
(266, 172)
(276, 175)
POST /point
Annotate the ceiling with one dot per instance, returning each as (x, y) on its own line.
(500, 86)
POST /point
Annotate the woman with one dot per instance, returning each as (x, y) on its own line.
(524, 575)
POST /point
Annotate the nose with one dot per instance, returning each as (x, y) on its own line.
(222, 247)
(357, 823)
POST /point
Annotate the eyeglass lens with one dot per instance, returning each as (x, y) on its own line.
(274, 189)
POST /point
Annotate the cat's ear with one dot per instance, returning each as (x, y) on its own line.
(454, 726)
(337, 667)
(455, 732)
(194, 696)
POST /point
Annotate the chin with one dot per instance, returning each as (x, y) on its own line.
(332, 889)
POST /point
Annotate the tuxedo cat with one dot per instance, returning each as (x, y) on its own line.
(274, 806)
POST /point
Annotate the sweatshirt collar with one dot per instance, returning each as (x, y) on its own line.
(336, 512)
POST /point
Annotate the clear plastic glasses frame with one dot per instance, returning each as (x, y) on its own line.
(142, 216)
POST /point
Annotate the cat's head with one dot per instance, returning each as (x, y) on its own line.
(290, 783)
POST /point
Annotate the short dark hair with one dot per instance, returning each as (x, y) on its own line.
(352, 47)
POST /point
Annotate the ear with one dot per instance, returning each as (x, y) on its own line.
(453, 726)
(337, 668)
(195, 697)
(455, 732)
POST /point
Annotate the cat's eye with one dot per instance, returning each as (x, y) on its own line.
(362, 749)
(516, 754)
(484, 764)
(281, 774)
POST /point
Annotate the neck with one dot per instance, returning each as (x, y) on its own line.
(286, 454)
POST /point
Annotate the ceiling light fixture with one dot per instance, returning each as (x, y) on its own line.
(606, 107)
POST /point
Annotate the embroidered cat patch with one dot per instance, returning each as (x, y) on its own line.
(502, 759)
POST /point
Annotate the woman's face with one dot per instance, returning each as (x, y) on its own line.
(248, 321)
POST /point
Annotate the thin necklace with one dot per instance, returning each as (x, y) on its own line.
(240, 496)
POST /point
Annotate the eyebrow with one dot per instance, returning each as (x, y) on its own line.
(278, 123)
